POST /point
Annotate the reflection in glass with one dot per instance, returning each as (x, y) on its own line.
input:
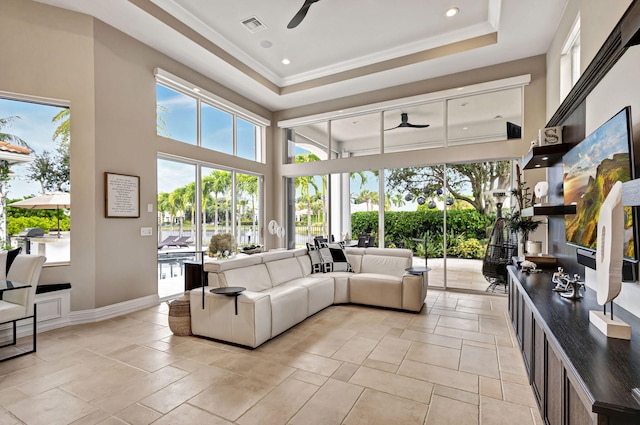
(249, 140)
(404, 131)
(356, 136)
(483, 117)
(247, 209)
(308, 139)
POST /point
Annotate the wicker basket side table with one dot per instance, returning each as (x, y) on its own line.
(180, 316)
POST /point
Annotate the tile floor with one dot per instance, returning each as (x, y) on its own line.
(456, 362)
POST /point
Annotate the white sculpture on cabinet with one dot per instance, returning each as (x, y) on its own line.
(609, 254)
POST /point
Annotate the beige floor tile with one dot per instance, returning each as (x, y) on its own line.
(143, 357)
(231, 396)
(329, 405)
(435, 355)
(310, 378)
(198, 351)
(171, 396)
(458, 323)
(479, 361)
(256, 368)
(346, 371)
(490, 387)
(510, 361)
(279, 405)
(494, 325)
(455, 314)
(306, 361)
(325, 344)
(187, 414)
(406, 387)
(440, 375)
(137, 414)
(356, 350)
(475, 303)
(497, 412)
(377, 408)
(516, 379)
(390, 350)
(104, 381)
(519, 393)
(424, 322)
(480, 344)
(464, 396)
(480, 312)
(447, 411)
(139, 389)
(51, 408)
(429, 338)
(93, 418)
(384, 366)
(463, 334)
(7, 419)
(11, 395)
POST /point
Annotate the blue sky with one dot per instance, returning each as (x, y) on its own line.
(35, 128)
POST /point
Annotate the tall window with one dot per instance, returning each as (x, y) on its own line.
(192, 118)
(34, 161)
(570, 60)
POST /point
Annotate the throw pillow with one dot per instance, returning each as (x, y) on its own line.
(316, 260)
(334, 257)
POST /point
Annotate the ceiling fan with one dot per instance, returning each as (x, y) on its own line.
(404, 123)
(295, 21)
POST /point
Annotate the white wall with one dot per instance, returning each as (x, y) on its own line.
(108, 79)
(619, 88)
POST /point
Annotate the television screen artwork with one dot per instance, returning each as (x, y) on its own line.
(590, 170)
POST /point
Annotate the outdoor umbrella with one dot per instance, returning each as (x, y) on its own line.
(48, 201)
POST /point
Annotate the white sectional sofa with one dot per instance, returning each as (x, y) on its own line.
(281, 291)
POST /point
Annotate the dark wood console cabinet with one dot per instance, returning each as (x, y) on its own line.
(578, 375)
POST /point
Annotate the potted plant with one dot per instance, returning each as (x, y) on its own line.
(222, 245)
(518, 224)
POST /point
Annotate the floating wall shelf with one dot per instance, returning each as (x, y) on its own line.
(548, 210)
(544, 156)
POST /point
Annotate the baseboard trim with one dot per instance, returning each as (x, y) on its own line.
(25, 327)
(110, 311)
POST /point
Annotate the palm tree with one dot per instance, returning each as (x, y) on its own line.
(397, 200)
(163, 207)
(189, 201)
(219, 182)
(303, 183)
(248, 184)
(177, 201)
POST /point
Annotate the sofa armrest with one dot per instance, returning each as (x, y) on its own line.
(414, 291)
(250, 327)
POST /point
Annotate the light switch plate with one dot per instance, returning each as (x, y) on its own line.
(146, 231)
(149, 207)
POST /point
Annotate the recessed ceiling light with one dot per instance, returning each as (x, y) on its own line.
(545, 158)
(538, 165)
(452, 11)
(286, 61)
(460, 88)
(266, 44)
(197, 90)
(465, 128)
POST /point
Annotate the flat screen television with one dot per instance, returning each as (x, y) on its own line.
(590, 170)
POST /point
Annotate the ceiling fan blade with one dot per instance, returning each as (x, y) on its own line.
(295, 21)
(404, 123)
(418, 125)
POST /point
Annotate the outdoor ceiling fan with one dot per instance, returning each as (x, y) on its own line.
(301, 13)
(404, 123)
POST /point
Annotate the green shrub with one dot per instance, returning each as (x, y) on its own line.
(469, 248)
(16, 224)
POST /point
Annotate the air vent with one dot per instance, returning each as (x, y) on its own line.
(253, 24)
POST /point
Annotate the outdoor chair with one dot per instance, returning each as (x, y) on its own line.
(167, 241)
(19, 304)
(363, 240)
(181, 242)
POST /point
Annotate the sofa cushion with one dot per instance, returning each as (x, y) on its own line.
(289, 306)
(216, 266)
(334, 257)
(376, 289)
(384, 264)
(254, 278)
(276, 255)
(284, 270)
(315, 258)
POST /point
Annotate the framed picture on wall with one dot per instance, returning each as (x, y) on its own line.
(121, 195)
